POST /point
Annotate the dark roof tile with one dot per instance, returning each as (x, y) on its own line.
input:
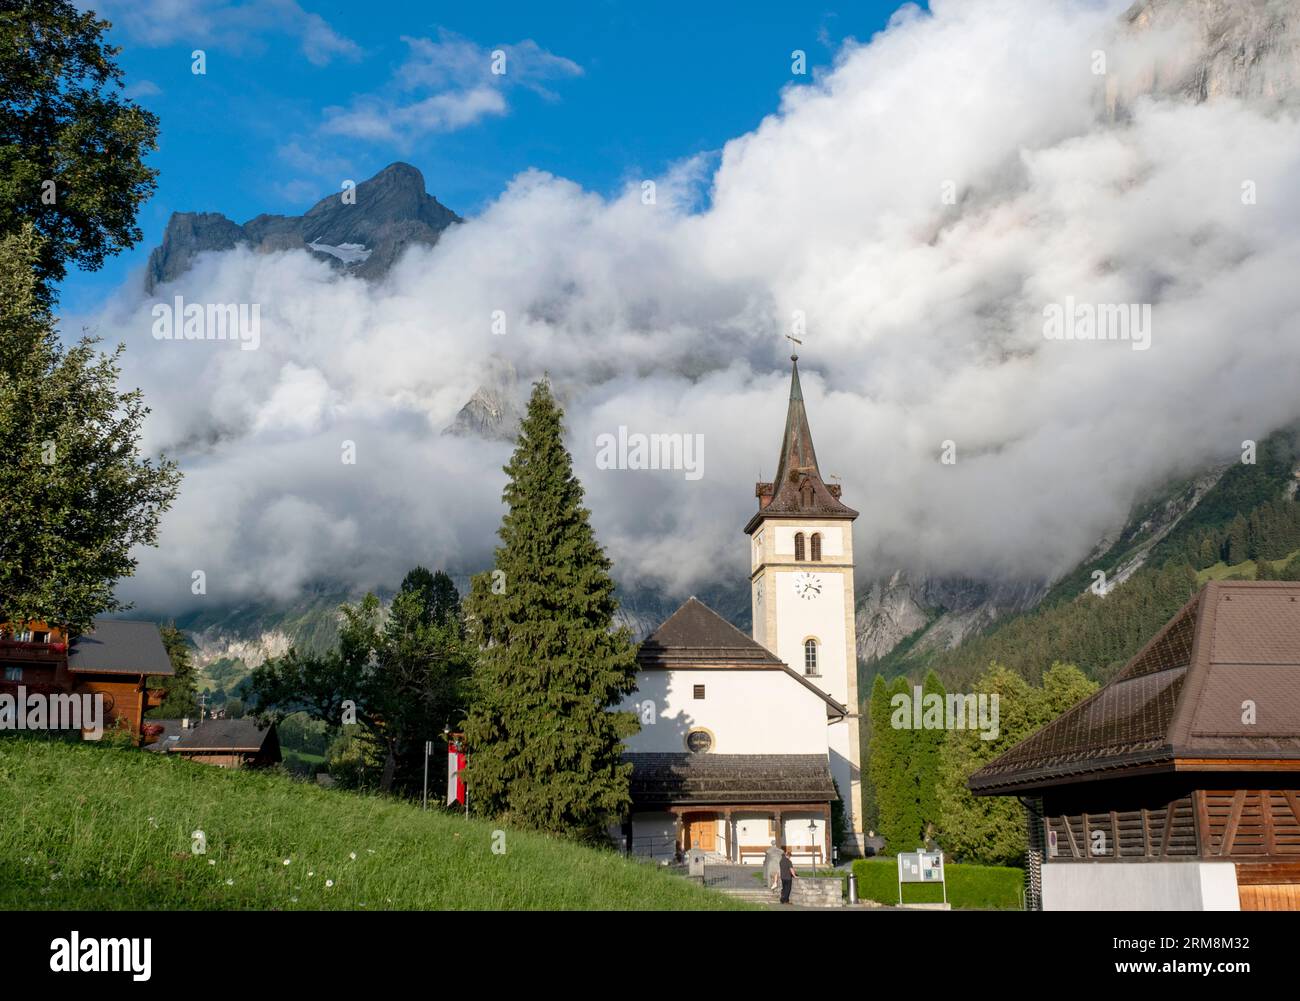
(1181, 696)
(798, 488)
(120, 646)
(684, 778)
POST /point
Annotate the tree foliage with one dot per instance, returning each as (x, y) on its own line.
(72, 148)
(182, 696)
(991, 829)
(544, 745)
(76, 498)
(399, 675)
(903, 762)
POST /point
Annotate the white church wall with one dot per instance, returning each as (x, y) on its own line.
(797, 835)
(832, 540)
(753, 830)
(821, 618)
(746, 711)
(842, 770)
(654, 836)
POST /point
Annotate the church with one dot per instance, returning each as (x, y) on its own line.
(750, 740)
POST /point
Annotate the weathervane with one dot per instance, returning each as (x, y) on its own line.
(793, 340)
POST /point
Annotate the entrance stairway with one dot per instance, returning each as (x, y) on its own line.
(741, 881)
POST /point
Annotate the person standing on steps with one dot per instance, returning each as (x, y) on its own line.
(788, 875)
(772, 866)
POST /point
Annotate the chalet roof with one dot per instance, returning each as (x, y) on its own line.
(1180, 697)
(666, 779)
(120, 646)
(696, 637)
(230, 735)
(798, 488)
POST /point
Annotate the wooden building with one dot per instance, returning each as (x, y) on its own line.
(226, 743)
(1177, 785)
(114, 659)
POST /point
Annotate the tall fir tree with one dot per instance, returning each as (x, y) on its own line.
(877, 751)
(924, 747)
(544, 745)
(877, 757)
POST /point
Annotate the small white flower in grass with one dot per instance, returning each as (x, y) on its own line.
(230, 882)
(352, 856)
(212, 861)
(329, 883)
(370, 851)
(311, 874)
(286, 861)
(293, 900)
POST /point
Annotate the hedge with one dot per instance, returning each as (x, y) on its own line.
(988, 887)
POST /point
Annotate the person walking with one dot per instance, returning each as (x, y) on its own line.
(772, 866)
(788, 875)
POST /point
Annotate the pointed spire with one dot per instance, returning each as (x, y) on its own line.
(797, 451)
(798, 487)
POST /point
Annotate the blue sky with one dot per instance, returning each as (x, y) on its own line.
(299, 96)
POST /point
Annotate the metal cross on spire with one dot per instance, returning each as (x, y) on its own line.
(795, 351)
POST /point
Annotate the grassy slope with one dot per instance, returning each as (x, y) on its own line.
(1246, 569)
(92, 827)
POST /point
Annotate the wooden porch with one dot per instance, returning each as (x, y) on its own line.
(696, 827)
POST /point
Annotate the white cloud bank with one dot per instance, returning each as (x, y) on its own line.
(924, 324)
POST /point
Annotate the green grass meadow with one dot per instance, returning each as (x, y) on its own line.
(98, 828)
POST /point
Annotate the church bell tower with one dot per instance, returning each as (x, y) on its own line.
(801, 583)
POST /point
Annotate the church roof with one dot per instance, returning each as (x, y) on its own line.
(1180, 697)
(665, 779)
(798, 488)
(697, 637)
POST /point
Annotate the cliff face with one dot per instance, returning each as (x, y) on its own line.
(945, 609)
(1243, 49)
(495, 409)
(363, 236)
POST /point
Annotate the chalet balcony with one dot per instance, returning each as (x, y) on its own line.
(34, 653)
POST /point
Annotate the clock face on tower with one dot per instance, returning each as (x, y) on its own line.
(807, 585)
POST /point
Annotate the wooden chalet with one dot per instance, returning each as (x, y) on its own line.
(226, 743)
(1177, 784)
(114, 659)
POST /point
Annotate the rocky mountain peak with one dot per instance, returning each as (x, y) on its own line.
(362, 234)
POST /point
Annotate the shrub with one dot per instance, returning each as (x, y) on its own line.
(992, 887)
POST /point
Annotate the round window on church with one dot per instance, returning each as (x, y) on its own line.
(699, 741)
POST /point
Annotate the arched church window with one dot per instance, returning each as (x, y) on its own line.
(810, 658)
(816, 546)
(798, 545)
